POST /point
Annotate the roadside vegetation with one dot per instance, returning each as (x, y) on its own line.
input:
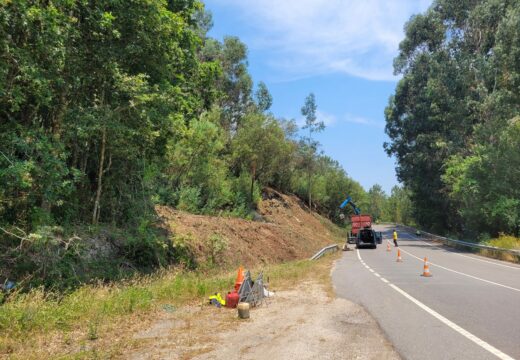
(454, 119)
(95, 319)
(109, 110)
(505, 242)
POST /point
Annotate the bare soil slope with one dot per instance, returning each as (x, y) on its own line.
(288, 231)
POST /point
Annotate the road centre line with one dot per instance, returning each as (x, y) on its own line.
(446, 321)
(466, 256)
(464, 274)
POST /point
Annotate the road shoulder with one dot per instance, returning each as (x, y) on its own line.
(305, 321)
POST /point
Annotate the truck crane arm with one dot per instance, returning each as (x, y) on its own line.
(348, 200)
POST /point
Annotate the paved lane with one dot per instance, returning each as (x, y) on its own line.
(500, 272)
(469, 309)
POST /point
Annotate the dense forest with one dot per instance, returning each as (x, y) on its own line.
(454, 120)
(108, 108)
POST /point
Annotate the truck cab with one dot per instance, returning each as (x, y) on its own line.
(367, 237)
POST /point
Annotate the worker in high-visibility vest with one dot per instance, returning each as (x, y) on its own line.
(395, 238)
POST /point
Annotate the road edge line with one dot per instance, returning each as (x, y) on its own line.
(453, 252)
(486, 346)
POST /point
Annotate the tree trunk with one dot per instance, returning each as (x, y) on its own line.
(95, 213)
(310, 187)
(253, 175)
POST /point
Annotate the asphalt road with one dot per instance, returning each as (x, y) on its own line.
(468, 309)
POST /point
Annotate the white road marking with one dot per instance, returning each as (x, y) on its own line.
(464, 274)
(466, 256)
(487, 261)
(499, 354)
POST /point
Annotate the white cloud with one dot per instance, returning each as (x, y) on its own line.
(310, 37)
(328, 119)
(354, 119)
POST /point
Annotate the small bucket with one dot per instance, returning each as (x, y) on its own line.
(243, 310)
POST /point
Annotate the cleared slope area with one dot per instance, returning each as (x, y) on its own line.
(285, 231)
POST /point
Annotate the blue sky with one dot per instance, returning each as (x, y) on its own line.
(342, 51)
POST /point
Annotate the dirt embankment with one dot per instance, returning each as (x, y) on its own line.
(287, 231)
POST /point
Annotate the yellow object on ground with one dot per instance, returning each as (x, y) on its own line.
(218, 298)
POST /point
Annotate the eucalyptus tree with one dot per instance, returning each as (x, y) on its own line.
(309, 145)
(455, 102)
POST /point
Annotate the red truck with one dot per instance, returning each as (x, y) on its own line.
(362, 233)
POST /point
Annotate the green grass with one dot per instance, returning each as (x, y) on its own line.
(41, 311)
(89, 308)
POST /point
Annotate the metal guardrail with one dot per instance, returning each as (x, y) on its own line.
(326, 249)
(447, 241)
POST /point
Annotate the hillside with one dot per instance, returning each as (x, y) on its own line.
(109, 126)
(286, 231)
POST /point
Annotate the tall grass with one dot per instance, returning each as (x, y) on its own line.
(38, 312)
(505, 242)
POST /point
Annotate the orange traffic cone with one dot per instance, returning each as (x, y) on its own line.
(240, 278)
(388, 248)
(426, 271)
(399, 259)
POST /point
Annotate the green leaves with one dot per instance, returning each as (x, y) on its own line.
(264, 99)
(108, 108)
(449, 116)
(309, 112)
(484, 184)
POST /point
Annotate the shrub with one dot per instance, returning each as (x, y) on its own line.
(189, 199)
(217, 245)
(505, 242)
